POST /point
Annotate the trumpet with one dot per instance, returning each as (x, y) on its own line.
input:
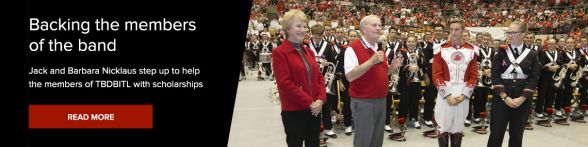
(330, 76)
(559, 76)
(576, 76)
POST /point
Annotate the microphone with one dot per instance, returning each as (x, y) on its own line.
(379, 49)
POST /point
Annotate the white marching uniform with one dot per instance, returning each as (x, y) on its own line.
(454, 73)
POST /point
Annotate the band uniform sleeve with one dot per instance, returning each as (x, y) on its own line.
(533, 79)
(438, 74)
(497, 68)
(472, 77)
(321, 91)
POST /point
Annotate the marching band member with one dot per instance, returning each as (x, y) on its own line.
(430, 90)
(571, 60)
(454, 74)
(515, 74)
(322, 49)
(341, 44)
(300, 83)
(330, 57)
(410, 81)
(485, 54)
(340, 37)
(529, 38)
(551, 62)
(254, 47)
(352, 35)
(439, 38)
(539, 43)
(584, 79)
(467, 39)
(329, 34)
(368, 78)
(318, 45)
(242, 74)
(393, 47)
(266, 49)
(561, 44)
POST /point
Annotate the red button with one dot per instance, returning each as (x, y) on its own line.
(90, 116)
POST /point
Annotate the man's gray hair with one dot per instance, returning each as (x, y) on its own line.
(363, 21)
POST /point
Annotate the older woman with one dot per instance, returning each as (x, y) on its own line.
(300, 83)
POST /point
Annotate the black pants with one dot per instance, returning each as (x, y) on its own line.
(430, 96)
(481, 98)
(346, 107)
(252, 62)
(389, 101)
(503, 116)
(267, 67)
(242, 70)
(301, 126)
(545, 96)
(584, 92)
(564, 97)
(328, 107)
(409, 101)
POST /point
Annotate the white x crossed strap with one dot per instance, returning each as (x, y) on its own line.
(552, 59)
(515, 65)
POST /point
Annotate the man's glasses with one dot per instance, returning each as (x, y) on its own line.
(511, 33)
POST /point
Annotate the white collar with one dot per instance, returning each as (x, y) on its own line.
(367, 45)
(319, 43)
(519, 48)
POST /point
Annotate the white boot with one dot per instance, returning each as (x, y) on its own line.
(558, 113)
(348, 130)
(387, 128)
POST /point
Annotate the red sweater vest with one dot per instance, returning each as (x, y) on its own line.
(374, 82)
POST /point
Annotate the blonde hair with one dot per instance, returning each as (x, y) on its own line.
(486, 34)
(461, 23)
(317, 29)
(290, 16)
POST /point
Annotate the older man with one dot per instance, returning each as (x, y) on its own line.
(367, 72)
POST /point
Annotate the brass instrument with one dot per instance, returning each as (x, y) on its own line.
(480, 70)
(393, 83)
(394, 78)
(482, 80)
(412, 61)
(576, 76)
(487, 64)
(330, 76)
(559, 76)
